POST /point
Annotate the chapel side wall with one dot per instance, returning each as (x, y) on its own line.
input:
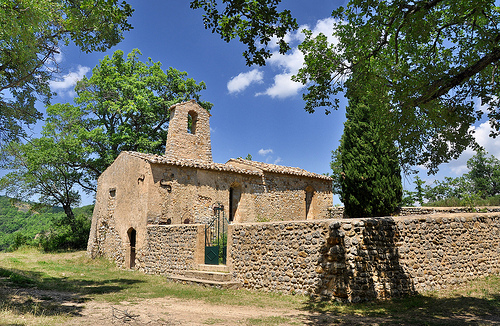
(364, 259)
(285, 198)
(182, 194)
(121, 204)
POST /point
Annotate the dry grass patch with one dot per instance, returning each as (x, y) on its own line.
(54, 289)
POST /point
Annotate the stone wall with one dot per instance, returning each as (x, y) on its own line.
(180, 194)
(338, 211)
(171, 249)
(363, 259)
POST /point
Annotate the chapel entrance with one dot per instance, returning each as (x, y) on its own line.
(216, 238)
(309, 203)
(132, 235)
(234, 201)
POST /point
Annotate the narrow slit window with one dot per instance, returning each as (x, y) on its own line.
(192, 119)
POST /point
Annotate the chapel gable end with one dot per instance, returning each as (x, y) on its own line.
(189, 133)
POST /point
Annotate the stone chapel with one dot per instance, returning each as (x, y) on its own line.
(182, 187)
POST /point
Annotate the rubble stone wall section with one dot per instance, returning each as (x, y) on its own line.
(171, 249)
(363, 259)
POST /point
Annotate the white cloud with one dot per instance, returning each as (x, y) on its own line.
(242, 81)
(283, 87)
(278, 160)
(286, 65)
(289, 64)
(325, 26)
(491, 146)
(68, 81)
(264, 152)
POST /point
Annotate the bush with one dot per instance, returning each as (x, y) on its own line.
(66, 237)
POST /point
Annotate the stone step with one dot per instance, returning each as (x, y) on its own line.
(213, 268)
(208, 276)
(216, 284)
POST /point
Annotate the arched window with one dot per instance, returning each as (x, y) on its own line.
(192, 119)
(234, 200)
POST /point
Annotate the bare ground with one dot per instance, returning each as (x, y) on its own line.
(173, 311)
(163, 311)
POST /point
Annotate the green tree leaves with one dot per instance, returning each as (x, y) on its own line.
(124, 106)
(255, 23)
(31, 33)
(366, 171)
(432, 59)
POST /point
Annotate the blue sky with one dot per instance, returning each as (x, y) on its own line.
(257, 110)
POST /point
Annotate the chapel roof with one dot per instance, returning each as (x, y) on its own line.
(233, 165)
(273, 168)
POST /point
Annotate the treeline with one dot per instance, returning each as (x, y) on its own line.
(479, 187)
(23, 223)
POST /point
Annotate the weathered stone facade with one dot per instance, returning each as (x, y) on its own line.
(181, 187)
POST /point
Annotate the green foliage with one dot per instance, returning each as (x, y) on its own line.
(254, 23)
(32, 32)
(411, 197)
(41, 226)
(484, 174)
(432, 59)
(122, 107)
(39, 168)
(479, 187)
(67, 234)
(366, 169)
(471, 202)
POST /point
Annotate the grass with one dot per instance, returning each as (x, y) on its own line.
(80, 279)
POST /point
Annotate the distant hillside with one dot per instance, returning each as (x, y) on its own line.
(18, 220)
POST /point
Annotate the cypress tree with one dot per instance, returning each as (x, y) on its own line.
(368, 170)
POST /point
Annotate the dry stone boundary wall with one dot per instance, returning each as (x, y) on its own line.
(345, 259)
(171, 249)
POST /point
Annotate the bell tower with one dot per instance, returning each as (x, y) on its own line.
(189, 133)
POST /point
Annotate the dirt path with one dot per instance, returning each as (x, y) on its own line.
(171, 311)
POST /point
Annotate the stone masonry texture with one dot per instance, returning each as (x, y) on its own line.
(345, 259)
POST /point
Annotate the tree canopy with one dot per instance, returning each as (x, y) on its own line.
(31, 34)
(254, 23)
(365, 167)
(434, 58)
(123, 106)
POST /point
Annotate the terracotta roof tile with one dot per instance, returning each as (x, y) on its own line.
(160, 159)
(233, 165)
(273, 168)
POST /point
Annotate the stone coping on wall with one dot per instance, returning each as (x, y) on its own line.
(338, 211)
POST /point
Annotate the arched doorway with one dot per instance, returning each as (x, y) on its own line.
(132, 238)
(309, 203)
(234, 200)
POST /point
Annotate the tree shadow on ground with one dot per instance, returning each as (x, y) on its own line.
(414, 310)
(33, 292)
